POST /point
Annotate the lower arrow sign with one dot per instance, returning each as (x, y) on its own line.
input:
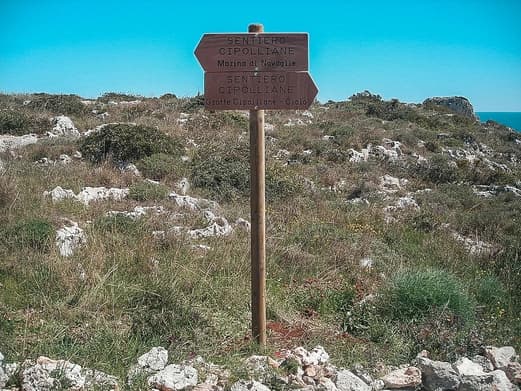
(258, 90)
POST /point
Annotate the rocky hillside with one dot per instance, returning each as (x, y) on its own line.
(392, 228)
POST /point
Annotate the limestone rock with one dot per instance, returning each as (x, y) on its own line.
(347, 381)
(90, 194)
(464, 366)
(155, 359)
(438, 375)
(409, 377)
(513, 372)
(501, 357)
(484, 362)
(191, 203)
(174, 377)
(251, 385)
(69, 238)
(457, 104)
(8, 142)
(63, 126)
(492, 381)
(58, 194)
(218, 227)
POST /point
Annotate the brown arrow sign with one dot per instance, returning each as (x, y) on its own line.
(253, 52)
(258, 90)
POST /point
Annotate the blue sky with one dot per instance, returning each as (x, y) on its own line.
(408, 50)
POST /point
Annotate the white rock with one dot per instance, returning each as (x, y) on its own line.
(63, 126)
(183, 186)
(58, 194)
(268, 128)
(347, 381)
(326, 384)
(464, 366)
(64, 159)
(8, 142)
(219, 227)
(131, 168)
(240, 222)
(77, 155)
(366, 263)
(174, 377)
(138, 212)
(69, 238)
(90, 194)
(307, 113)
(192, 203)
(409, 377)
(155, 359)
(248, 385)
(501, 357)
(473, 246)
(438, 375)
(328, 138)
(391, 184)
(491, 381)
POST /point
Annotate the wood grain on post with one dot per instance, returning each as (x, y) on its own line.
(258, 223)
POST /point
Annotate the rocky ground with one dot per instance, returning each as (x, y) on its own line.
(496, 369)
(392, 228)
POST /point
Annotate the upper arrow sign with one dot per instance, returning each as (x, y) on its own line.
(253, 52)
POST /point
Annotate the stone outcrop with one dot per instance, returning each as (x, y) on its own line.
(457, 104)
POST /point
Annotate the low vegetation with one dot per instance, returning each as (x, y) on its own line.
(391, 228)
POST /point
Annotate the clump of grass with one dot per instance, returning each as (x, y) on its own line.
(118, 223)
(35, 233)
(158, 165)
(416, 293)
(146, 191)
(58, 104)
(224, 173)
(126, 142)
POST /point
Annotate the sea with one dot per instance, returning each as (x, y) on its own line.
(512, 119)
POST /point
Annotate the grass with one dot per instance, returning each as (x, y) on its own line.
(124, 291)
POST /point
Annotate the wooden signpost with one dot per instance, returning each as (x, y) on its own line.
(256, 71)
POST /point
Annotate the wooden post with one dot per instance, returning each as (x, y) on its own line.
(258, 223)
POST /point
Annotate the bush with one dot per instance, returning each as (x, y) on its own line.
(280, 183)
(117, 97)
(225, 174)
(126, 142)
(491, 293)
(415, 294)
(33, 233)
(146, 191)
(59, 104)
(157, 166)
(161, 316)
(18, 123)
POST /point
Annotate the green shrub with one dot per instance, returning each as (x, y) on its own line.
(413, 294)
(160, 315)
(18, 123)
(59, 104)
(117, 97)
(224, 174)
(146, 191)
(33, 233)
(491, 292)
(438, 170)
(281, 183)
(157, 166)
(126, 142)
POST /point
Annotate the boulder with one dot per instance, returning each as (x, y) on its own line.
(174, 377)
(8, 142)
(438, 375)
(457, 104)
(409, 377)
(69, 238)
(248, 385)
(63, 126)
(464, 366)
(501, 357)
(155, 359)
(348, 381)
(513, 371)
(492, 381)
